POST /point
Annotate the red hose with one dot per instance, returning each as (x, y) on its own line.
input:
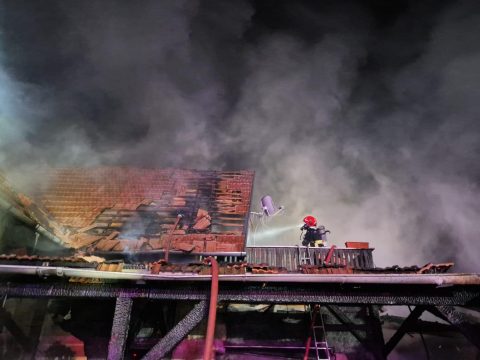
(307, 348)
(309, 339)
(329, 254)
(212, 311)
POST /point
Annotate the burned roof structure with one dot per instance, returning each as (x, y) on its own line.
(117, 209)
(202, 216)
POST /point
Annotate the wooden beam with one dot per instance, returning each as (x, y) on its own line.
(120, 326)
(407, 323)
(376, 336)
(344, 319)
(459, 321)
(183, 327)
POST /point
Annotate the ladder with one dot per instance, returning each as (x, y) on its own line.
(318, 335)
(304, 259)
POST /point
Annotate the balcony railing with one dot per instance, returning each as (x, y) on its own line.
(290, 257)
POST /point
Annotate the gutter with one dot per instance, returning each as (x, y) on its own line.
(390, 279)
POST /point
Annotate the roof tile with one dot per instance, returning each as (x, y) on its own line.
(142, 205)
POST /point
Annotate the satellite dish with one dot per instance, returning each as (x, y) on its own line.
(268, 207)
(261, 218)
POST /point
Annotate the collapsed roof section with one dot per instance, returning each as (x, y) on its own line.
(28, 213)
(119, 209)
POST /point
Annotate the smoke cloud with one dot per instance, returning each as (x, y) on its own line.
(362, 117)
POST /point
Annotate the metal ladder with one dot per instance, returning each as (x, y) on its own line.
(322, 350)
(304, 259)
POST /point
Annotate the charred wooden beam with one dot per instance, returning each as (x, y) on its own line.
(459, 321)
(183, 327)
(375, 328)
(120, 326)
(256, 293)
(345, 320)
(407, 323)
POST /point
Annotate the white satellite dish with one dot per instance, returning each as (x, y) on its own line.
(268, 206)
(269, 210)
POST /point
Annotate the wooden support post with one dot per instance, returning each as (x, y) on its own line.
(375, 331)
(407, 323)
(120, 326)
(340, 316)
(168, 342)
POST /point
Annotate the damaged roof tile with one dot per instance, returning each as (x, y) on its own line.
(133, 209)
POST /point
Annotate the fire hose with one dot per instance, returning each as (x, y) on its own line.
(329, 254)
(212, 311)
(309, 339)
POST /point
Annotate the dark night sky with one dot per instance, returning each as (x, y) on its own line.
(364, 113)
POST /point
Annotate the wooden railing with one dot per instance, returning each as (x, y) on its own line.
(290, 257)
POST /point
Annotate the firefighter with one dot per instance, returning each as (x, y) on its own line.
(314, 236)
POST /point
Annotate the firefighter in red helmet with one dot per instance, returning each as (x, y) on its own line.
(314, 236)
(310, 221)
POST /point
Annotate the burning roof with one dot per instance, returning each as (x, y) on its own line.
(132, 209)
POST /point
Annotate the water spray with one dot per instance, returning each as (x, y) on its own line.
(271, 233)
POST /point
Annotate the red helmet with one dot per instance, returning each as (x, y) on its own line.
(310, 221)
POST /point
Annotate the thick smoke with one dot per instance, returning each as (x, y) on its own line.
(367, 121)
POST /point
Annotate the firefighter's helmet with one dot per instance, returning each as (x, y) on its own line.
(310, 221)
